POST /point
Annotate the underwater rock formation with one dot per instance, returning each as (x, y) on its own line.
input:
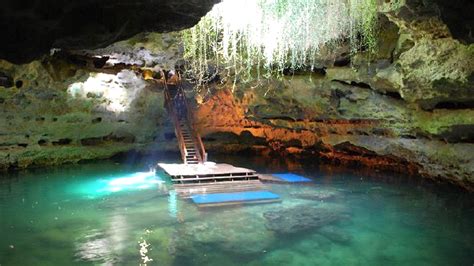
(301, 219)
(232, 235)
(322, 195)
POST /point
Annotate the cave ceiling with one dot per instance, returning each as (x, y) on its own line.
(30, 28)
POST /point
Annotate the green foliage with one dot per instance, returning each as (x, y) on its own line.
(241, 37)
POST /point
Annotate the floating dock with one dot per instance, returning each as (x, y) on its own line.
(206, 183)
(207, 172)
(224, 199)
(284, 178)
(211, 178)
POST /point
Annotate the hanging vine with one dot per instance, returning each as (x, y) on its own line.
(241, 37)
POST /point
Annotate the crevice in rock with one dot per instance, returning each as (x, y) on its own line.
(65, 141)
(353, 83)
(381, 132)
(294, 143)
(320, 71)
(458, 134)
(95, 141)
(344, 60)
(42, 142)
(100, 61)
(284, 118)
(394, 95)
(351, 149)
(127, 138)
(455, 105)
(5, 80)
(302, 71)
(91, 141)
(19, 84)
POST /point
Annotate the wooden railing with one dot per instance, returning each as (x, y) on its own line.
(177, 128)
(196, 136)
(169, 101)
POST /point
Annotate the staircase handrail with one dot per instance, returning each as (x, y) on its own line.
(196, 135)
(178, 132)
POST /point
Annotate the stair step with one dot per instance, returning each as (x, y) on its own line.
(229, 178)
(186, 190)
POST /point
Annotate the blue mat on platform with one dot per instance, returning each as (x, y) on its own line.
(233, 197)
(292, 178)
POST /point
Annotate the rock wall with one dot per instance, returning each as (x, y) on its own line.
(65, 114)
(409, 108)
(339, 123)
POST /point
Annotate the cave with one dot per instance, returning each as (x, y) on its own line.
(228, 132)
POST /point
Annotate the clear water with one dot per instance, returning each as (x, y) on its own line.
(107, 213)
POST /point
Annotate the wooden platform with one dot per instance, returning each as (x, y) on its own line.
(208, 172)
(211, 178)
(187, 190)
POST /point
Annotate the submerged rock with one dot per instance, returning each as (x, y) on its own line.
(335, 234)
(231, 233)
(301, 218)
(320, 195)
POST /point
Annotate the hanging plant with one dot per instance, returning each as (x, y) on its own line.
(241, 37)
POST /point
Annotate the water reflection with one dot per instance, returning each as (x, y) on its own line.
(172, 204)
(105, 246)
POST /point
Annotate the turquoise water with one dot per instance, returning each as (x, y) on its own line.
(121, 214)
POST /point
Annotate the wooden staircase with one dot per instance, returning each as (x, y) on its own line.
(189, 141)
(197, 176)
